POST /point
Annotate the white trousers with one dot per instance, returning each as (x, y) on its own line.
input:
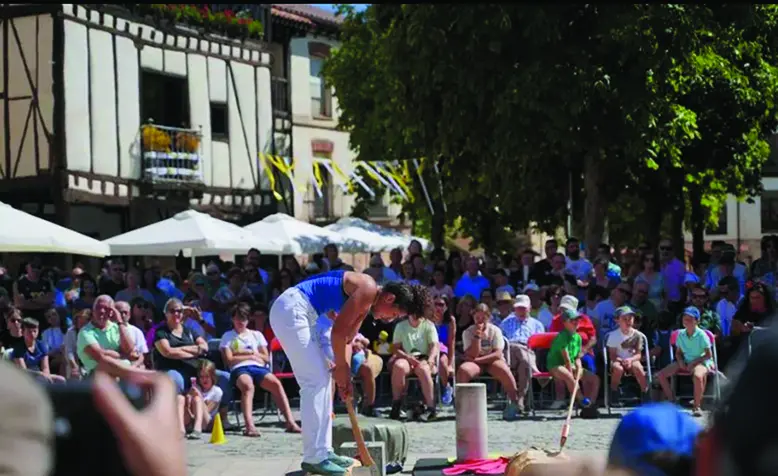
(292, 318)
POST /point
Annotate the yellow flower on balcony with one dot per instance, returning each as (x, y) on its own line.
(155, 139)
(187, 142)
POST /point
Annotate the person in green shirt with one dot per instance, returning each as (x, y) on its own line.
(105, 340)
(564, 360)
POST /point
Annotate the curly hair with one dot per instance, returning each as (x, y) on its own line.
(414, 299)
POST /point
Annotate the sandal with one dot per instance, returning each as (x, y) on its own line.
(251, 433)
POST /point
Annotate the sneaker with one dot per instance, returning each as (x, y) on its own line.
(589, 413)
(195, 435)
(428, 414)
(325, 468)
(557, 405)
(511, 412)
(368, 411)
(397, 412)
(696, 412)
(447, 395)
(342, 461)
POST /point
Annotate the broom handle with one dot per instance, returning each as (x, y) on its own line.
(364, 454)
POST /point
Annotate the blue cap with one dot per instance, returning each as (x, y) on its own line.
(692, 311)
(652, 428)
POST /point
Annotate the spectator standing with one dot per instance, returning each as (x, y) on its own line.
(673, 275)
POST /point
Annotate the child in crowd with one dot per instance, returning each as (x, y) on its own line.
(32, 354)
(625, 350)
(483, 346)
(564, 359)
(693, 356)
(202, 401)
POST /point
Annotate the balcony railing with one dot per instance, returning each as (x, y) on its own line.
(280, 96)
(171, 156)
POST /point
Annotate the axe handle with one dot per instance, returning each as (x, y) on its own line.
(364, 455)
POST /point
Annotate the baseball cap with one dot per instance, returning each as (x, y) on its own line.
(623, 311)
(531, 287)
(650, 429)
(503, 296)
(522, 300)
(692, 311)
(569, 314)
(569, 302)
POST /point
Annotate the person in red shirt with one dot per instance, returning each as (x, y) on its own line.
(588, 334)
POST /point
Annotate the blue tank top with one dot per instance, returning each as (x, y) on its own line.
(324, 291)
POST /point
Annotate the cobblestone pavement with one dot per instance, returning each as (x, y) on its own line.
(276, 453)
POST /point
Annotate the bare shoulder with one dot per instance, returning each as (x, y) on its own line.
(354, 281)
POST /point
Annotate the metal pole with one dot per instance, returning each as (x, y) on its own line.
(569, 204)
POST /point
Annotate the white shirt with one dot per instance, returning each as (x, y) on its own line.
(248, 340)
(53, 338)
(212, 395)
(617, 338)
(138, 339)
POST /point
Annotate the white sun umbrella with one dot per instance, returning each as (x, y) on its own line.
(194, 234)
(379, 237)
(25, 233)
(299, 237)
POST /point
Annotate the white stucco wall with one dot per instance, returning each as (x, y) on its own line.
(307, 129)
(92, 131)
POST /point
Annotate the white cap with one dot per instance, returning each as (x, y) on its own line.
(569, 302)
(522, 300)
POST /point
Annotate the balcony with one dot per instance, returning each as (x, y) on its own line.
(171, 159)
(279, 89)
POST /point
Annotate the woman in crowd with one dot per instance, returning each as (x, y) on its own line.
(464, 314)
(756, 309)
(255, 284)
(134, 289)
(651, 275)
(409, 273)
(177, 352)
(54, 339)
(454, 268)
(551, 308)
(447, 331)
(415, 351)
(600, 274)
(283, 281)
(245, 352)
(293, 266)
(87, 293)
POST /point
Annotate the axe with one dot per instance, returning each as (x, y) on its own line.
(368, 467)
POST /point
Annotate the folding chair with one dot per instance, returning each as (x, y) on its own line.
(536, 343)
(714, 371)
(645, 359)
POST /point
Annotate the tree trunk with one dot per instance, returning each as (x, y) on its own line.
(594, 204)
(654, 217)
(438, 224)
(679, 209)
(697, 221)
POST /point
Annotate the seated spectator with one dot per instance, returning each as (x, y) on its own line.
(87, 292)
(464, 315)
(661, 339)
(447, 330)
(133, 289)
(104, 340)
(439, 286)
(550, 308)
(141, 314)
(564, 360)
(693, 355)
(588, 335)
(729, 292)
(416, 350)
(202, 401)
(625, 351)
(259, 321)
(32, 355)
(177, 351)
(709, 320)
(12, 335)
(54, 340)
(138, 339)
(227, 296)
(483, 346)
(74, 369)
(246, 354)
(518, 328)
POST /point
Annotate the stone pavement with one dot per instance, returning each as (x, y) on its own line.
(276, 453)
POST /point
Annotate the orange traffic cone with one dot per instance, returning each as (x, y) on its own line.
(217, 434)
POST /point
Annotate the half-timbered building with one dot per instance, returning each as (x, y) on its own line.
(113, 117)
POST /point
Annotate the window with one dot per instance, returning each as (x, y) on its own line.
(769, 212)
(220, 129)
(165, 99)
(721, 229)
(322, 205)
(321, 95)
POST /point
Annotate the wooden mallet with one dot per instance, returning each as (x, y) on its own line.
(364, 454)
(566, 427)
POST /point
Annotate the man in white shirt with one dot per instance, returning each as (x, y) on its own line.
(138, 339)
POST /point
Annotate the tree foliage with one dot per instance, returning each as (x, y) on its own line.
(513, 100)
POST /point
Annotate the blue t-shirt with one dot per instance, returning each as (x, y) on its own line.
(32, 358)
(324, 291)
